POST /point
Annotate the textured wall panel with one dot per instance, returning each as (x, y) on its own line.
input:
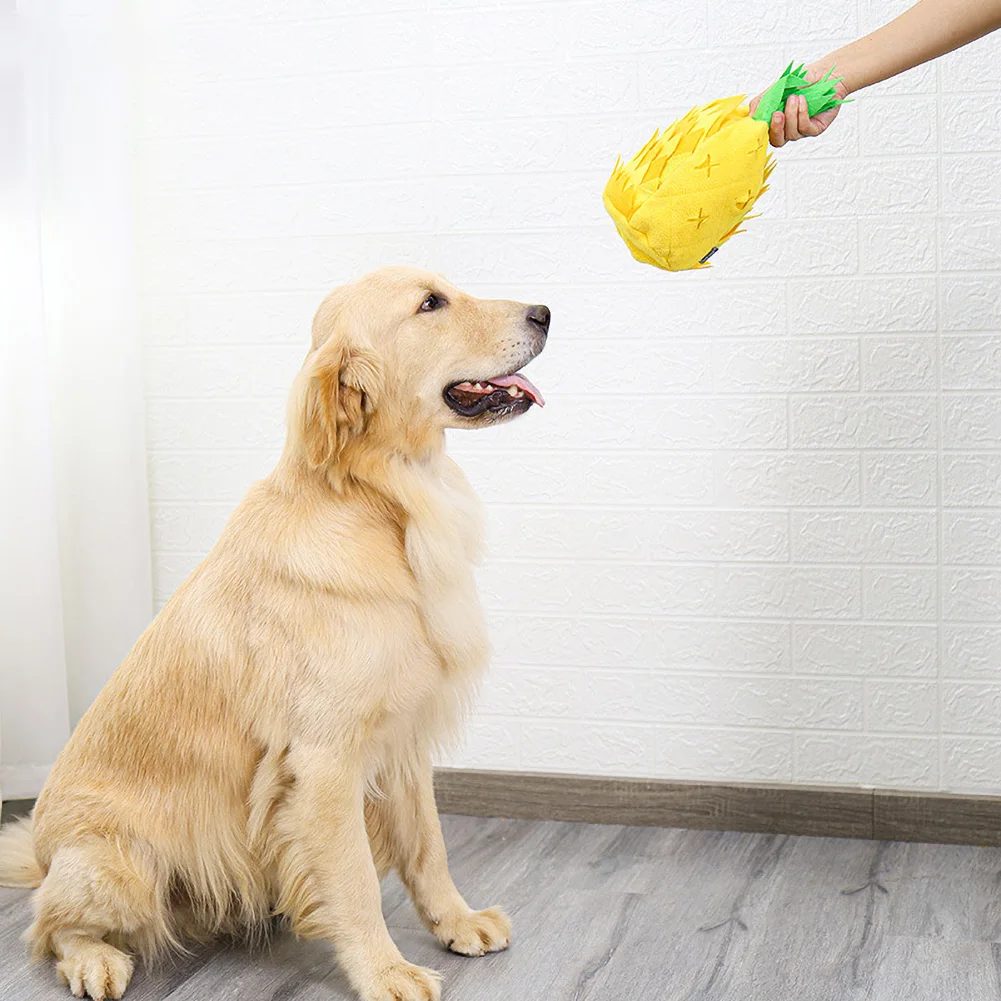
(756, 535)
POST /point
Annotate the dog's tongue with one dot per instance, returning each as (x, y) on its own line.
(504, 381)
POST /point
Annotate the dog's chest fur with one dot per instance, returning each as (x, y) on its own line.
(442, 536)
(443, 541)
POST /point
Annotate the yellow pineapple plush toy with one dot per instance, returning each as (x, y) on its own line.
(689, 188)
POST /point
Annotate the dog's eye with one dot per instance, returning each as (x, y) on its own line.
(432, 302)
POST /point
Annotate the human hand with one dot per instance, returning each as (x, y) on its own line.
(795, 122)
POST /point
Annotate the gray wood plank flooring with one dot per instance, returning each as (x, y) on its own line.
(623, 913)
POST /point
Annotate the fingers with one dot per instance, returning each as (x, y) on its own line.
(796, 123)
(777, 129)
(796, 116)
(785, 128)
(812, 126)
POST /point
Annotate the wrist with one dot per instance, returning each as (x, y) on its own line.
(843, 69)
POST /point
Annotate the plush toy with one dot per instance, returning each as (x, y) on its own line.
(689, 188)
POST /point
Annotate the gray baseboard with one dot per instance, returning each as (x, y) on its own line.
(14, 808)
(722, 806)
(820, 811)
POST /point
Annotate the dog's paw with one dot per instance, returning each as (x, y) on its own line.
(404, 982)
(476, 933)
(98, 972)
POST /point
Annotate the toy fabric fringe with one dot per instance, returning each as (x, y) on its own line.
(688, 189)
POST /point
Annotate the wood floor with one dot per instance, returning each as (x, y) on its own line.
(642, 914)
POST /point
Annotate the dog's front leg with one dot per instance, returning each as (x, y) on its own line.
(408, 820)
(328, 883)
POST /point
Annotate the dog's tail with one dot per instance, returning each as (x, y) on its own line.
(18, 863)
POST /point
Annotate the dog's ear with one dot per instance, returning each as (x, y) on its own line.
(343, 381)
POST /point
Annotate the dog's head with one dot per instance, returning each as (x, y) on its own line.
(401, 354)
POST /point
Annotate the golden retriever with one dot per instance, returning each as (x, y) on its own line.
(266, 747)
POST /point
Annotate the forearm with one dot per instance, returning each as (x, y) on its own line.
(929, 29)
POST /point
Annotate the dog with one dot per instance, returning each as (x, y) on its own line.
(265, 749)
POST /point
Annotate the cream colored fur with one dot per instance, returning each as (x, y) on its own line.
(18, 862)
(266, 746)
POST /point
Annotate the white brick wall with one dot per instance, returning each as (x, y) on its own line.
(757, 533)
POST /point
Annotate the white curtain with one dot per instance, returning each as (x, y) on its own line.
(75, 587)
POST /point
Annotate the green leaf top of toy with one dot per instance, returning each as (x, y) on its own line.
(820, 96)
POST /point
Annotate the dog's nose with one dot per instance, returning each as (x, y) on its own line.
(539, 315)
